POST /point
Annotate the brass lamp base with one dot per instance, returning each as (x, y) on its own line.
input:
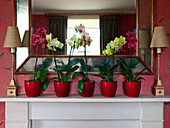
(11, 89)
(159, 89)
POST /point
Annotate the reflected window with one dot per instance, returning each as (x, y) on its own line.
(91, 24)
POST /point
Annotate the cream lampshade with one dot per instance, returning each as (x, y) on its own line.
(25, 41)
(12, 40)
(159, 40)
(144, 41)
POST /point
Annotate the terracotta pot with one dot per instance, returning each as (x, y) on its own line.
(32, 88)
(61, 88)
(88, 89)
(132, 89)
(108, 88)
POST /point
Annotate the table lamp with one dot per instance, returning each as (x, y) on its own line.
(159, 40)
(12, 40)
(144, 42)
(25, 41)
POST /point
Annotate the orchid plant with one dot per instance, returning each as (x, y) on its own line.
(40, 73)
(39, 38)
(53, 45)
(126, 68)
(111, 48)
(130, 46)
(83, 39)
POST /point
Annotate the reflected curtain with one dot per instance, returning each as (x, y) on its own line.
(109, 29)
(58, 27)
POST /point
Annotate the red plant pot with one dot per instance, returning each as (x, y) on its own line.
(88, 89)
(108, 88)
(32, 88)
(132, 89)
(61, 88)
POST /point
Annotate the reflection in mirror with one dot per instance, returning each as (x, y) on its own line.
(145, 23)
(104, 20)
(121, 12)
(62, 64)
(23, 26)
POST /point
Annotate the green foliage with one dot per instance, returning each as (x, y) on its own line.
(65, 77)
(81, 82)
(41, 73)
(105, 73)
(80, 86)
(126, 69)
(64, 67)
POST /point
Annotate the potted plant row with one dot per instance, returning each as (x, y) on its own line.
(40, 82)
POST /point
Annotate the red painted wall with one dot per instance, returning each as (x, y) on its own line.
(162, 15)
(127, 22)
(39, 21)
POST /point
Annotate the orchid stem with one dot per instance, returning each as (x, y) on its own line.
(56, 66)
(35, 67)
(85, 59)
(69, 61)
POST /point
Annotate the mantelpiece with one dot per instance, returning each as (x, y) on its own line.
(50, 111)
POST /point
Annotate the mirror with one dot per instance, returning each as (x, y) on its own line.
(124, 15)
(22, 22)
(103, 20)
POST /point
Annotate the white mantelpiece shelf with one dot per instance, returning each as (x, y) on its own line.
(76, 98)
(47, 110)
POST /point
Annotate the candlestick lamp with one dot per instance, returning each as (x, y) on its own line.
(159, 40)
(12, 40)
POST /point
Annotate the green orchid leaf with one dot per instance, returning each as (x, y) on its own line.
(80, 86)
(68, 78)
(59, 61)
(140, 72)
(54, 68)
(75, 74)
(100, 74)
(45, 85)
(73, 69)
(82, 63)
(103, 69)
(46, 63)
(133, 63)
(61, 74)
(41, 75)
(139, 78)
(125, 66)
(111, 78)
(74, 62)
(96, 66)
(61, 67)
(113, 68)
(82, 74)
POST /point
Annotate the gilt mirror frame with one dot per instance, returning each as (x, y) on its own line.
(150, 70)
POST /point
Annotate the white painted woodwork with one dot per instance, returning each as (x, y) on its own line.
(48, 98)
(152, 125)
(86, 124)
(85, 111)
(16, 125)
(16, 111)
(150, 110)
(49, 111)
